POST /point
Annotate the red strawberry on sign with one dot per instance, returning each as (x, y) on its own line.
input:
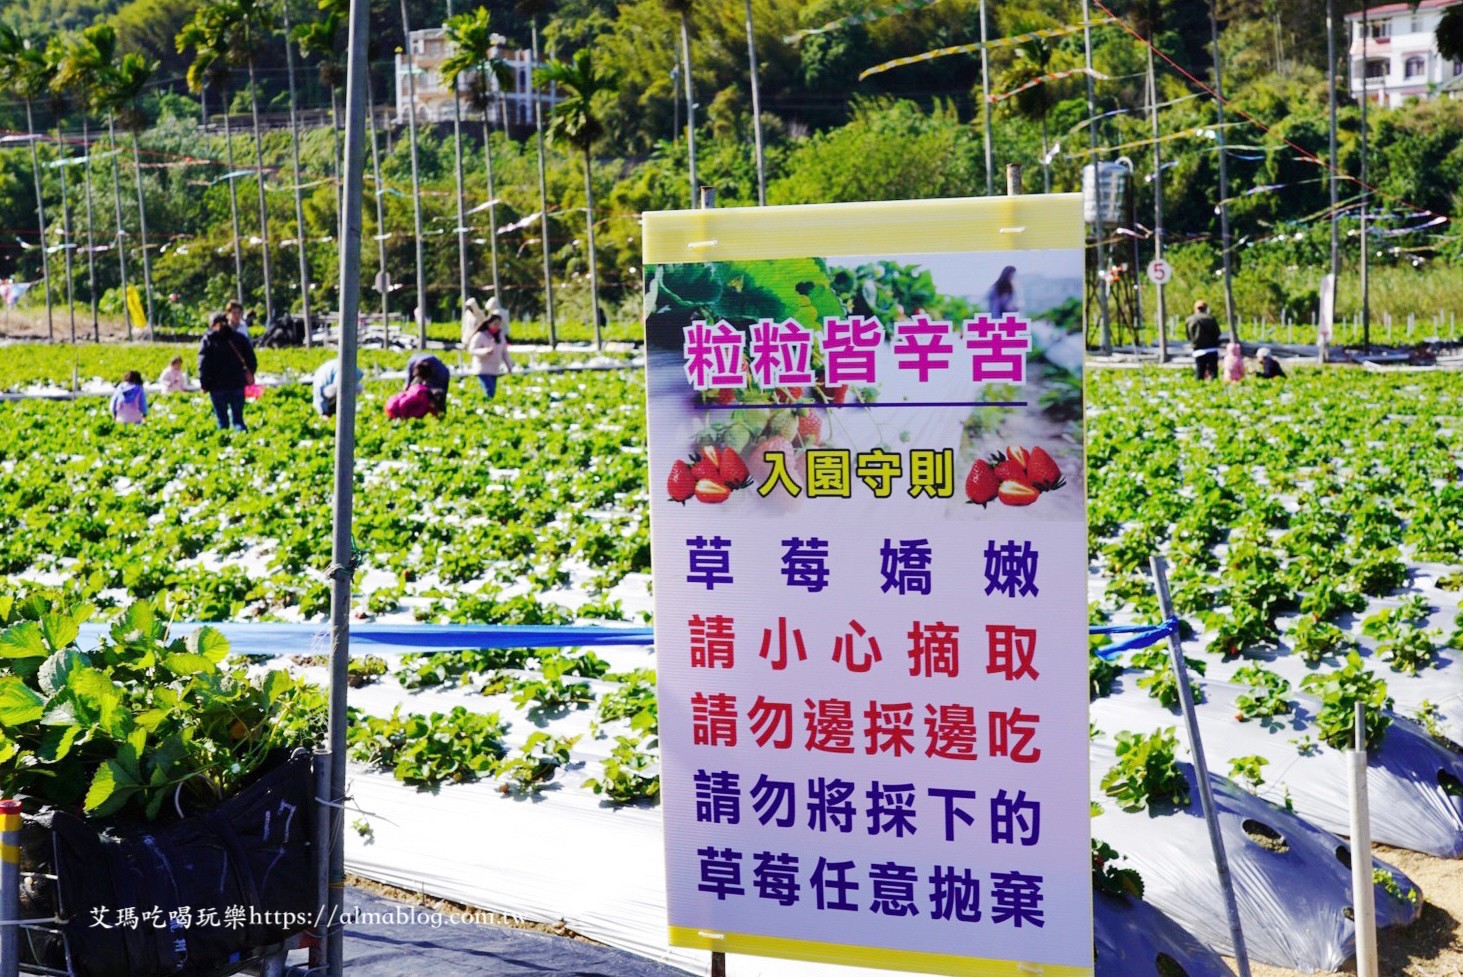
(681, 484)
(1043, 471)
(836, 395)
(981, 485)
(1017, 492)
(710, 490)
(1019, 455)
(1007, 468)
(809, 427)
(732, 470)
(705, 468)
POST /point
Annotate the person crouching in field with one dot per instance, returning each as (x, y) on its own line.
(129, 403)
(1270, 368)
(489, 350)
(418, 399)
(1234, 364)
(226, 365)
(173, 380)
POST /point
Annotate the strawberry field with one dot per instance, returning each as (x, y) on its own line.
(1314, 530)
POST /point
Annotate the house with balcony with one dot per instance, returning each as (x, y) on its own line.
(1394, 55)
(512, 106)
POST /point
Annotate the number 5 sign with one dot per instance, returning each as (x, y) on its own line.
(1159, 271)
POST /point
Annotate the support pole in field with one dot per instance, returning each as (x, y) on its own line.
(416, 183)
(1363, 893)
(342, 561)
(10, 887)
(756, 108)
(1105, 322)
(320, 769)
(1224, 236)
(1201, 768)
(300, 233)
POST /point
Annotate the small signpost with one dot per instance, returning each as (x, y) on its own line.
(1160, 272)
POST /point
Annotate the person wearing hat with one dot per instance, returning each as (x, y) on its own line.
(488, 348)
(1203, 332)
(1270, 368)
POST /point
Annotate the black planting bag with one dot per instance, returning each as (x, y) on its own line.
(249, 862)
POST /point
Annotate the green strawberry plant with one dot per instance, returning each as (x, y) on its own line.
(631, 773)
(1147, 773)
(531, 768)
(1339, 691)
(146, 722)
(1266, 696)
(427, 750)
(1107, 877)
(1160, 681)
(1248, 771)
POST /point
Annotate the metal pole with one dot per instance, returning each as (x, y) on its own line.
(1013, 179)
(416, 186)
(263, 210)
(345, 419)
(718, 964)
(492, 200)
(1106, 333)
(1223, 179)
(1366, 96)
(142, 232)
(756, 109)
(234, 207)
(1363, 892)
(91, 251)
(461, 209)
(690, 106)
(35, 165)
(589, 227)
(1201, 768)
(300, 232)
(543, 188)
(66, 246)
(120, 236)
(1332, 158)
(10, 887)
(321, 841)
(1161, 307)
(383, 278)
(985, 105)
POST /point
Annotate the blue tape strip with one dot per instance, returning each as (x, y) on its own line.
(1143, 635)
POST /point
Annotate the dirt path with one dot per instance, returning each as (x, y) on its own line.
(1431, 947)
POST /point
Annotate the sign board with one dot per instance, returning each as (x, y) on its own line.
(869, 551)
(1160, 272)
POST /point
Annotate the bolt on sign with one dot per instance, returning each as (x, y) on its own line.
(869, 551)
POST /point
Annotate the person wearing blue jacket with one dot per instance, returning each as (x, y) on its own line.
(129, 403)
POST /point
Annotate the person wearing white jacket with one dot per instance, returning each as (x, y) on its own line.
(488, 348)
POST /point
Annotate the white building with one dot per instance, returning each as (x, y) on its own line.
(1399, 58)
(429, 49)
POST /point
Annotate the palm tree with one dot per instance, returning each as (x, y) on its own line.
(533, 9)
(210, 68)
(317, 39)
(79, 60)
(1032, 63)
(574, 121)
(23, 72)
(234, 31)
(682, 9)
(123, 95)
(475, 48)
(301, 235)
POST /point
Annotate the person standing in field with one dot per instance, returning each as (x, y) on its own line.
(235, 311)
(226, 365)
(489, 350)
(129, 403)
(1234, 364)
(1203, 333)
(173, 380)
